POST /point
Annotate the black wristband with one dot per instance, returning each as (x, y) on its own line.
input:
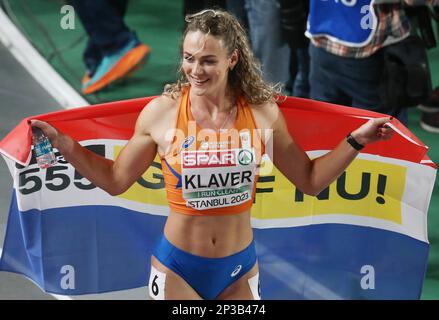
(350, 139)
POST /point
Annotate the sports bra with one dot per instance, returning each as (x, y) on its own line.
(212, 172)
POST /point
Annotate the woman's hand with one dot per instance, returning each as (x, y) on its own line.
(374, 130)
(49, 131)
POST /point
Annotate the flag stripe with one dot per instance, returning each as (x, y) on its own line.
(365, 236)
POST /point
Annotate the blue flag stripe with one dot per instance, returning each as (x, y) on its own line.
(91, 249)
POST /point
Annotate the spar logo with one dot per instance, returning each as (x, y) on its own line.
(245, 157)
(208, 158)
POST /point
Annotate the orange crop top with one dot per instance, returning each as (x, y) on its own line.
(208, 172)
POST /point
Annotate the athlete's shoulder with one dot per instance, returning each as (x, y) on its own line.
(159, 111)
(265, 114)
(161, 104)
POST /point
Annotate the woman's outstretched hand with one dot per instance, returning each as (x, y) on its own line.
(49, 131)
(374, 130)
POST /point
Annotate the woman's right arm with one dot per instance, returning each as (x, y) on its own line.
(115, 177)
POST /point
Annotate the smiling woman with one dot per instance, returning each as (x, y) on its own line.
(207, 249)
(212, 66)
(230, 38)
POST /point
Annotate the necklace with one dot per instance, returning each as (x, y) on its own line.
(204, 119)
(226, 120)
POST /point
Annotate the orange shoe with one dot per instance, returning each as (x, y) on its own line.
(117, 66)
(85, 79)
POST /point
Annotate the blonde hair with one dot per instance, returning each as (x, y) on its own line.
(246, 77)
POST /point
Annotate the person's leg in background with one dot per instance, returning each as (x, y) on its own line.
(323, 79)
(293, 21)
(120, 5)
(110, 42)
(266, 38)
(301, 87)
(429, 120)
(237, 8)
(293, 72)
(103, 22)
(430, 112)
(353, 81)
(361, 80)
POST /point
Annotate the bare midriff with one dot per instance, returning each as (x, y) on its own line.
(209, 236)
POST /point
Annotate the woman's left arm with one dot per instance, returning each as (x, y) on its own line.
(313, 176)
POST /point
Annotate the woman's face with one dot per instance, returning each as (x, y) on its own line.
(206, 63)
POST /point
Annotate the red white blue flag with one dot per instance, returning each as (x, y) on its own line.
(365, 236)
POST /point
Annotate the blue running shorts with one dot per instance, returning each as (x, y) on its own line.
(207, 276)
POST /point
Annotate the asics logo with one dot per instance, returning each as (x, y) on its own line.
(187, 142)
(236, 271)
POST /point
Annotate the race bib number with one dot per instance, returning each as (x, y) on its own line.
(217, 178)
